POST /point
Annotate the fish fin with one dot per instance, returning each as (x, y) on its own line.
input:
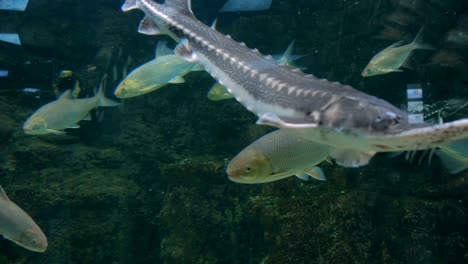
(286, 57)
(162, 49)
(407, 64)
(12, 38)
(56, 132)
(418, 42)
(241, 5)
(271, 119)
(454, 156)
(316, 173)
(76, 90)
(16, 5)
(66, 95)
(148, 27)
(197, 67)
(394, 45)
(183, 6)
(214, 23)
(178, 79)
(218, 92)
(329, 160)
(3, 195)
(129, 5)
(87, 117)
(185, 51)
(453, 163)
(351, 158)
(103, 101)
(75, 126)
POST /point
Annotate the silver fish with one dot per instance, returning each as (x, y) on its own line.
(275, 156)
(356, 124)
(65, 112)
(16, 225)
(393, 57)
(157, 73)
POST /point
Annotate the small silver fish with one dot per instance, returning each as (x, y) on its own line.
(275, 156)
(16, 225)
(164, 69)
(65, 112)
(393, 57)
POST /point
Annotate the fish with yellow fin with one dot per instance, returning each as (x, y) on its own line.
(16, 225)
(278, 155)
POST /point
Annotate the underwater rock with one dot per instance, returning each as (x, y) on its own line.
(7, 127)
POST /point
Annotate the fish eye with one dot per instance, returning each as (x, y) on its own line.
(248, 169)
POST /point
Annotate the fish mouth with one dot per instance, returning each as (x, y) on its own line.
(240, 180)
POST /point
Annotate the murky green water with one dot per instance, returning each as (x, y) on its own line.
(145, 182)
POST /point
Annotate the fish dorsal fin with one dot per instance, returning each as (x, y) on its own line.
(394, 45)
(286, 58)
(148, 27)
(66, 95)
(162, 49)
(213, 25)
(183, 6)
(3, 195)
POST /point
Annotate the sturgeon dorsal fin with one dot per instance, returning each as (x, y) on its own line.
(148, 27)
(3, 195)
(183, 6)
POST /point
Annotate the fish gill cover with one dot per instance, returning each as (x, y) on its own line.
(145, 182)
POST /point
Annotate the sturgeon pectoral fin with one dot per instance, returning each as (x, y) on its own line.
(148, 27)
(271, 119)
(351, 158)
(129, 5)
(185, 51)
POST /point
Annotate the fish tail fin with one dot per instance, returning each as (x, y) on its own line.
(314, 172)
(102, 99)
(454, 156)
(129, 5)
(418, 41)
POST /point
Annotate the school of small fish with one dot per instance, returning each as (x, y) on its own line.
(317, 120)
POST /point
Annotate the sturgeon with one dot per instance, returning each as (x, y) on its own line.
(356, 124)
